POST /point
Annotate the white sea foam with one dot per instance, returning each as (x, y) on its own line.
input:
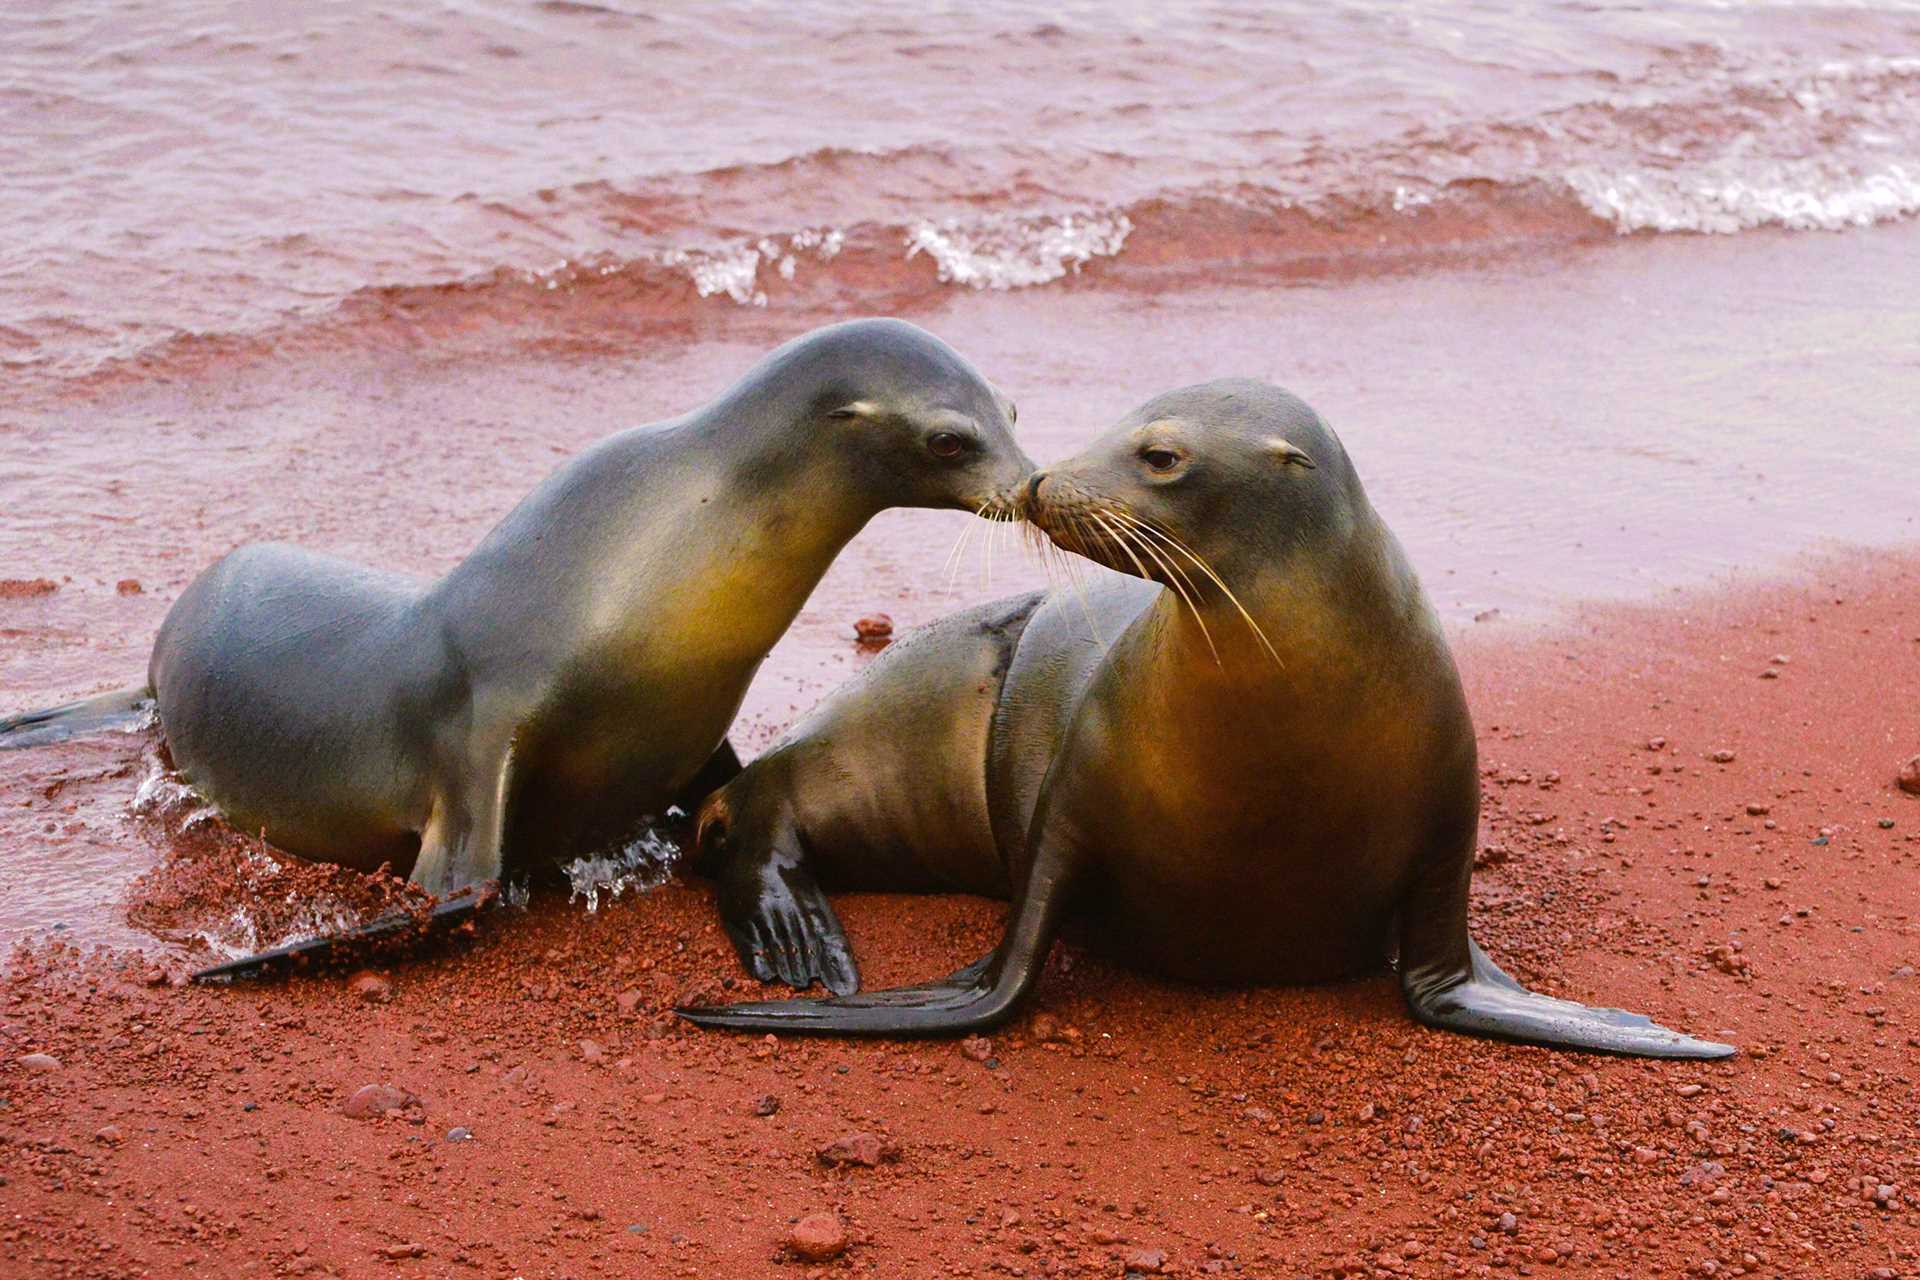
(734, 272)
(1800, 196)
(1009, 252)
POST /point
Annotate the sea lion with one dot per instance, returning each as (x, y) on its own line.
(1250, 760)
(581, 667)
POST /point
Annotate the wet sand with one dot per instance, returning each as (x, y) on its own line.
(1616, 422)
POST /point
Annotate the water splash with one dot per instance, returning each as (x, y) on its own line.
(641, 864)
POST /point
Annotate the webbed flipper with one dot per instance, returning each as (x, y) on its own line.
(1484, 1001)
(781, 923)
(441, 918)
(978, 997)
(122, 709)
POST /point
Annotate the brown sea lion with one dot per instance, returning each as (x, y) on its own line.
(1249, 761)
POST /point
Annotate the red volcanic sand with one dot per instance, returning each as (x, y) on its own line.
(1692, 812)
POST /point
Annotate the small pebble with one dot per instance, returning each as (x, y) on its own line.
(818, 1237)
(40, 1062)
(370, 987)
(460, 1133)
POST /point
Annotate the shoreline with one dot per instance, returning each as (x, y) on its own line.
(1124, 1114)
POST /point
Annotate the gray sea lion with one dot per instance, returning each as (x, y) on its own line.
(1269, 784)
(581, 667)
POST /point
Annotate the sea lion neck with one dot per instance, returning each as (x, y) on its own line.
(1281, 625)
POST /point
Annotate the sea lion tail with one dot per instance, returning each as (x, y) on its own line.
(123, 709)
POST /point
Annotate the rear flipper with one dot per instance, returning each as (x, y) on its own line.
(332, 948)
(774, 910)
(1480, 1000)
(121, 709)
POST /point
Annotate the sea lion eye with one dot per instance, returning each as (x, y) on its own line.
(945, 445)
(1160, 459)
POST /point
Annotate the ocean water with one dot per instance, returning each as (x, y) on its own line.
(207, 168)
(1607, 301)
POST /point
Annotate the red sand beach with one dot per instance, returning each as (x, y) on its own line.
(1691, 810)
(1612, 306)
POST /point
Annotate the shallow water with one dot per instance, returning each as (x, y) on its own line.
(183, 168)
(358, 277)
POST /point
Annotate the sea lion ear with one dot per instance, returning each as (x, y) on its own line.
(854, 409)
(1284, 452)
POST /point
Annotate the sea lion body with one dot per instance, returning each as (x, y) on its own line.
(1281, 798)
(580, 668)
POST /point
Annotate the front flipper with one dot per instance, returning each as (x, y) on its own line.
(974, 999)
(441, 918)
(463, 843)
(1483, 1001)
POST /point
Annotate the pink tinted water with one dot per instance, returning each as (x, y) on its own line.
(1605, 301)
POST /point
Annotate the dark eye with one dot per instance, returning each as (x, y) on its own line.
(945, 445)
(1160, 459)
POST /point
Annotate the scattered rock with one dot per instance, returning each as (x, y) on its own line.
(818, 1237)
(976, 1048)
(371, 1100)
(398, 1252)
(1656, 744)
(128, 586)
(25, 588)
(40, 1062)
(767, 1105)
(460, 1133)
(1910, 777)
(109, 1134)
(591, 1051)
(1722, 756)
(627, 1001)
(370, 987)
(1145, 1261)
(875, 631)
(1508, 1225)
(1728, 959)
(864, 1149)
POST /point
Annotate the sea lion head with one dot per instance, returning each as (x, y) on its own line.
(1216, 484)
(901, 417)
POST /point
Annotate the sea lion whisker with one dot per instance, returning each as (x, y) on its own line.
(1127, 520)
(1077, 583)
(950, 567)
(1128, 540)
(1201, 564)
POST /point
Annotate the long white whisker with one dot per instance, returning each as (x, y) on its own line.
(1120, 532)
(1200, 564)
